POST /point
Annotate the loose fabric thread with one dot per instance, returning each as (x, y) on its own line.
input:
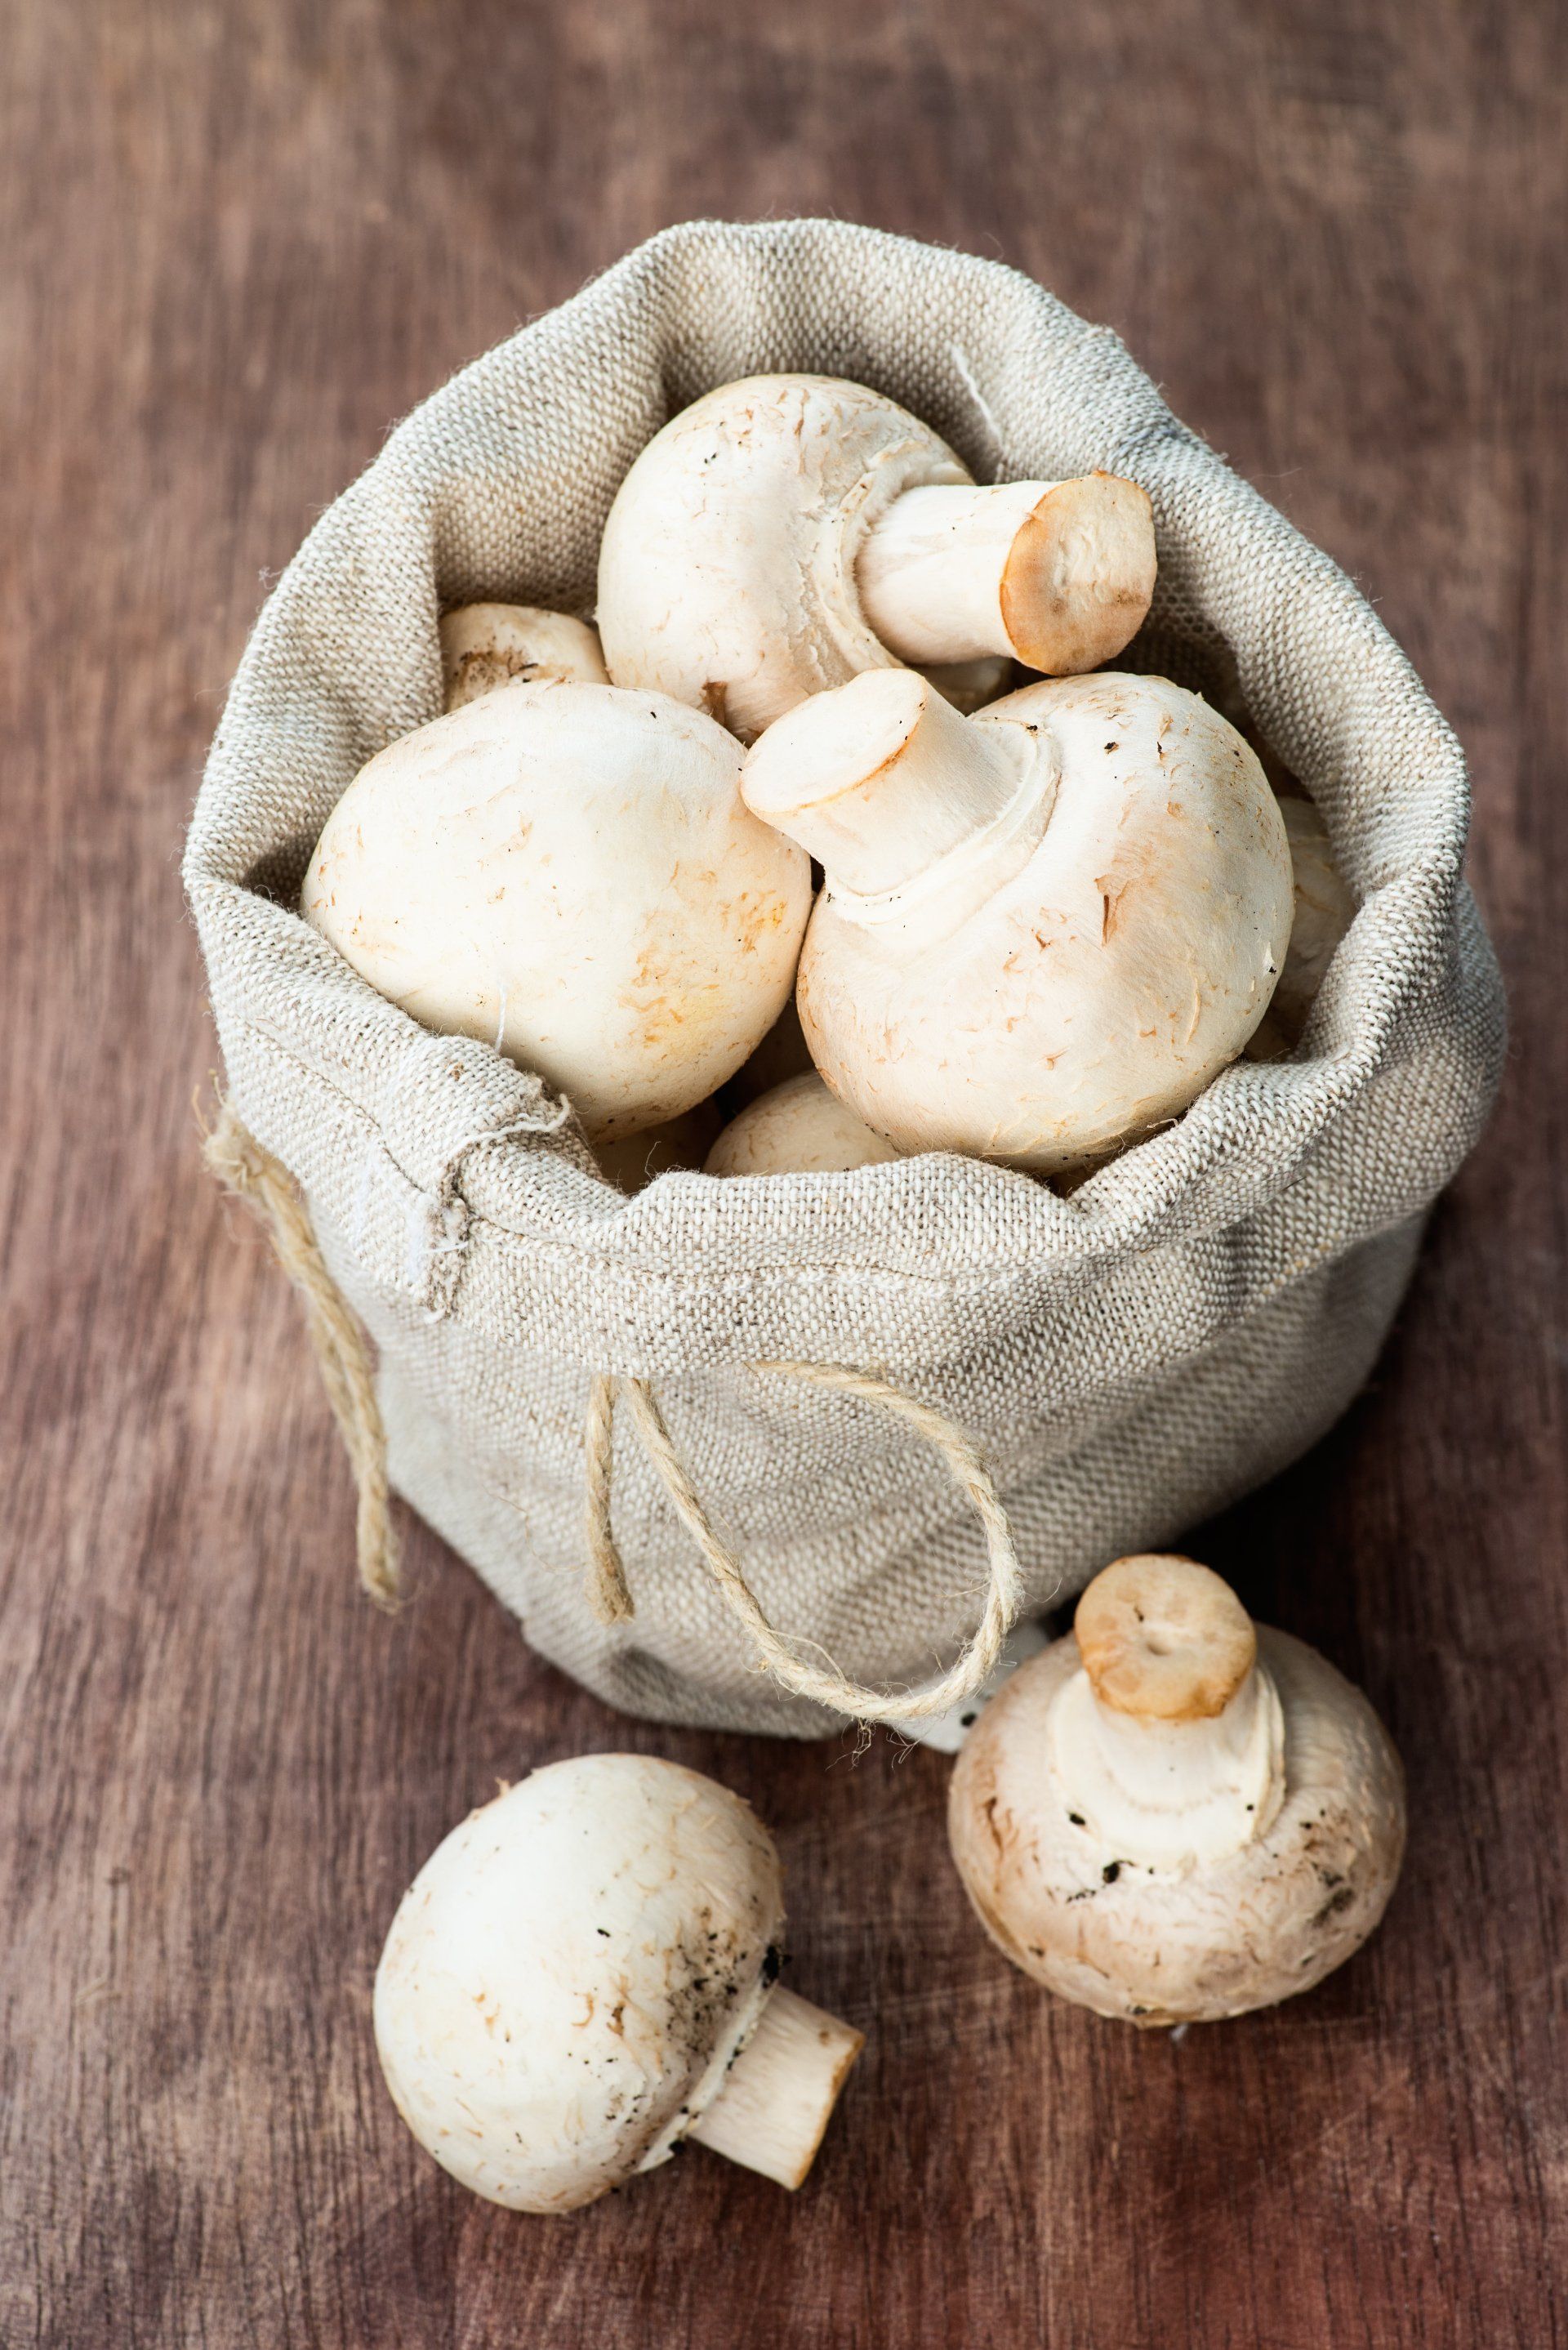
(242, 1166)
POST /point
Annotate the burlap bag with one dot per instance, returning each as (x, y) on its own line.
(1124, 1361)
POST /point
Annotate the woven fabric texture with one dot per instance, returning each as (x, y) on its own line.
(1129, 1358)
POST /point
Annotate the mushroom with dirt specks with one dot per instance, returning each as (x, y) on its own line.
(788, 532)
(483, 646)
(1046, 928)
(797, 1129)
(569, 872)
(1173, 1816)
(583, 1974)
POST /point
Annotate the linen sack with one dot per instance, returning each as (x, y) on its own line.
(1126, 1359)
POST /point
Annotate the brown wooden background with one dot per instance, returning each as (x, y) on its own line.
(238, 241)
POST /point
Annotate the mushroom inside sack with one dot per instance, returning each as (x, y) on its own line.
(569, 872)
(1324, 909)
(1173, 1816)
(797, 1129)
(483, 646)
(584, 1975)
(788, 532)
(1046, 928)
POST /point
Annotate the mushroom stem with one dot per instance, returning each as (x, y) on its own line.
(1171, 1794)
(779, 2093)
(1058, 573)
(1168, 1745)
(884, 779)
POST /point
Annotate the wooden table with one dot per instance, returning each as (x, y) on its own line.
(240, 239)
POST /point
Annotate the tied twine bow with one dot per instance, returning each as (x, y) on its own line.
(242, 1166)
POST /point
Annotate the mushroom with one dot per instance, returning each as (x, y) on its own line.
(585, 1973)
(486, 645)
(797, 1129)
(569, 871)
(1173, 1816)
(1045, 928)
(788, 532)
(1323, 911)
(632, 1163)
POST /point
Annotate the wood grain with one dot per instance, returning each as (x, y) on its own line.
(239, 241)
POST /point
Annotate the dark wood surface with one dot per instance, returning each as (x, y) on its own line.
(238, 241)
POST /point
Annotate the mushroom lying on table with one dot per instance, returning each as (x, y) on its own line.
(1174, 1815)
(483, 646)
(585, 1974)
(1046, 928)
(569, 872)
(788, 531)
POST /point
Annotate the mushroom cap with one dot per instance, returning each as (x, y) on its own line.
(570, 1974)
(1151, 1946)
(569, 871)
(797, 1129)
(727, 566)
(483, 646)
(1110, 974)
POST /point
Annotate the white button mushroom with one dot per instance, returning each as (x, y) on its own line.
(1046, 928)
(1174, 1815)
(797, 1129)
(569, 871)
(583, 1974)
(788, 532)
(486, 645)
(1323, 911)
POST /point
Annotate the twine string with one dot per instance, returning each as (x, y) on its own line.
(607, 1594)
(238, 1161)
(612, 1599)
(241, 1164)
